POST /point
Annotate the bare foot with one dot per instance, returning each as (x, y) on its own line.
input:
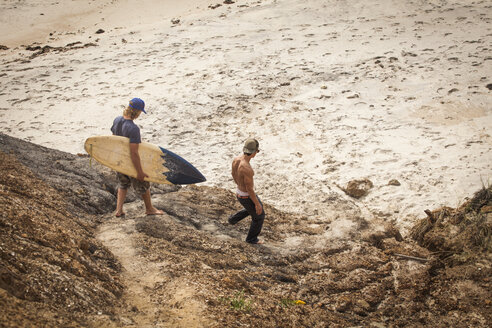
(119, 214)
(260, 242)
(154, 211)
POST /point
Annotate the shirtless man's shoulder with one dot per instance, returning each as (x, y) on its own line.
(241, 165)
(236, 161)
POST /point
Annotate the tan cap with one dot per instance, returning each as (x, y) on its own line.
(251, 146)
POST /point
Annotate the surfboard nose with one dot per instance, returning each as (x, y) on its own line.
(180, 170)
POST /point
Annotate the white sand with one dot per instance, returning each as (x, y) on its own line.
(24, 22)
(334, 91)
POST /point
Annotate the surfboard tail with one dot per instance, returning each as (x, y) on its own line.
(180, 170)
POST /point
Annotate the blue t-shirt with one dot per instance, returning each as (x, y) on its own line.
(126, 128)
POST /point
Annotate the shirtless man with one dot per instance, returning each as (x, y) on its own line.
(242, 172)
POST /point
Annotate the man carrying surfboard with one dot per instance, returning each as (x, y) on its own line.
(243, 173)
(125, 127)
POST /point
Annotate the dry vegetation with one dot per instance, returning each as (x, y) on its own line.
(195, 270)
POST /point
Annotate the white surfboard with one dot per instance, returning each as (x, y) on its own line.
(161, 165)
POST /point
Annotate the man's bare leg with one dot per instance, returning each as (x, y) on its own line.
(149, 209)
(120, 200)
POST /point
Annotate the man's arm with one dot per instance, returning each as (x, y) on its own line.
(249, 183)
(234, 171)
(136, 161)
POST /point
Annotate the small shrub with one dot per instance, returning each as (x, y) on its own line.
(287, 302)
(238, 302)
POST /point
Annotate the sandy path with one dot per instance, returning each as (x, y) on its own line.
(141, 277)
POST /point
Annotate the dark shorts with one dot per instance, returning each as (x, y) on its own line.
(125, 182)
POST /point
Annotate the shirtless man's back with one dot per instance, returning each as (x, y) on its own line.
(243, 173)
(240, 169)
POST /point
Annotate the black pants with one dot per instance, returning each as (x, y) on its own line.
(256, 220)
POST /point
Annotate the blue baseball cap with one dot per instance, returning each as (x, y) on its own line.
(138, 103)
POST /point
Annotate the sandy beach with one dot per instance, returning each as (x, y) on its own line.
(333, 90)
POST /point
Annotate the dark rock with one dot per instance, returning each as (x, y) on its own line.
(33, 48)
(394, 182)
(405, 54)
(88, 189)
(72, 44)
(358, 188)
(100, 31)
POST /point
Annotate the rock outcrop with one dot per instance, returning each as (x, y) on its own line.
(66, 261)
(53, 272)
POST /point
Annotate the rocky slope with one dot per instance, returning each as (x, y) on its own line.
(53, 272)
(65, 261)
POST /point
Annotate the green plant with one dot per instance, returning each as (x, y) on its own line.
(485, 185)
(238, 302)
(287, 302)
